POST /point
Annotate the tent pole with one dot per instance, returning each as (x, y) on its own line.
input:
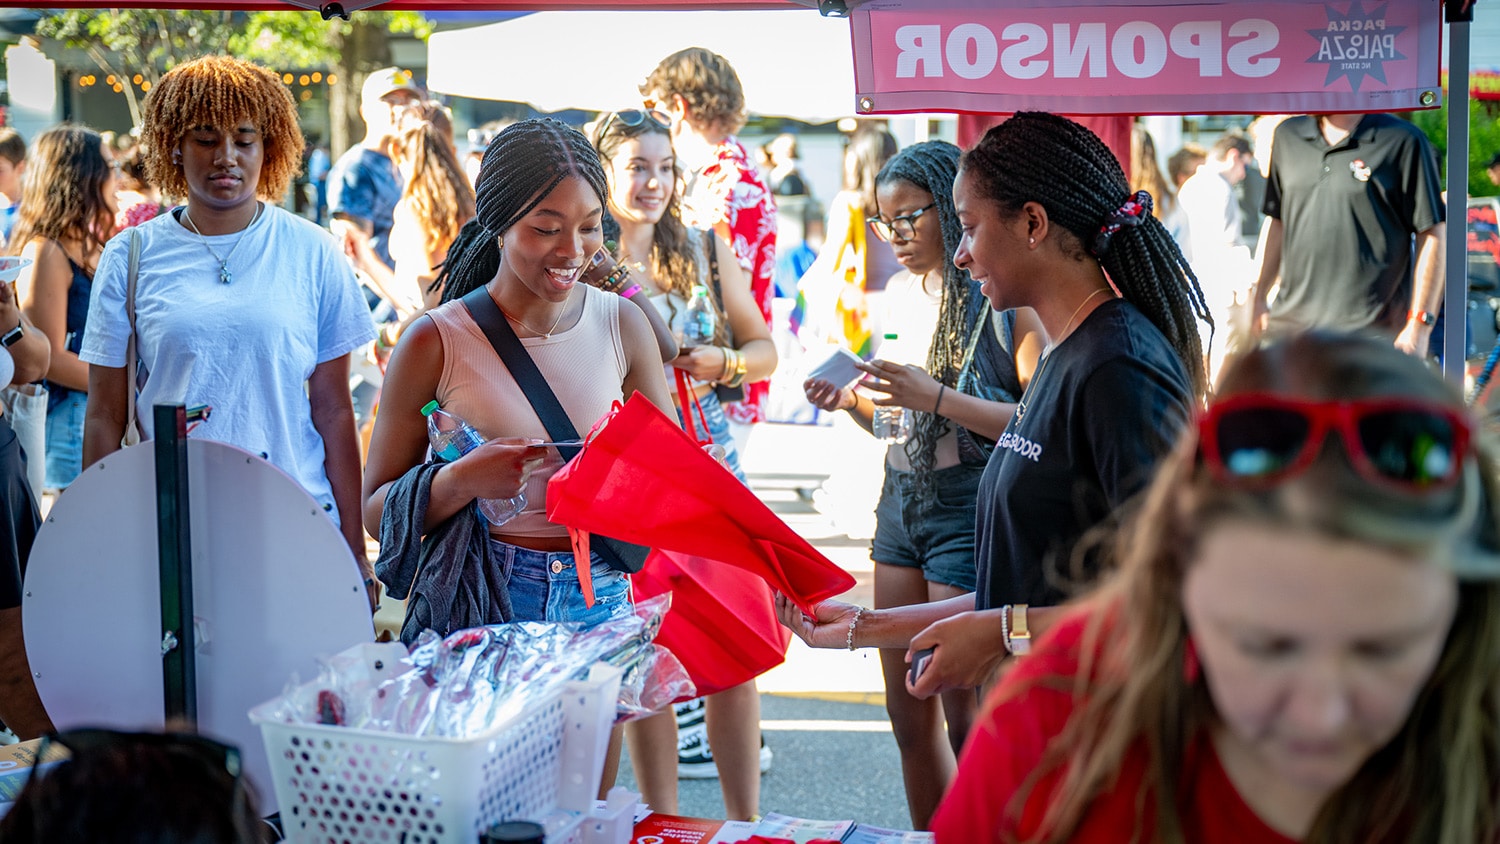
(1456, 257)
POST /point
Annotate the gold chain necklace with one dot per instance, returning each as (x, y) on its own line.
(1047, 355)
(546, 335)
(225, 276)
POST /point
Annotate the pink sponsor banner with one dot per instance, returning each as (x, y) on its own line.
(1104, 57)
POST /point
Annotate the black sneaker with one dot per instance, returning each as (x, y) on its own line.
(689, 714)
(695, 760)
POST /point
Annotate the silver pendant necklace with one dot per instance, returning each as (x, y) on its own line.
(225, 276)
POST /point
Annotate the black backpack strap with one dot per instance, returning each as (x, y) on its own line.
(508, 346)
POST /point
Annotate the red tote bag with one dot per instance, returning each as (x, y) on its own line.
(643, 479)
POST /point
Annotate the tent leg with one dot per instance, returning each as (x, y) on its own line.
(1455, 257)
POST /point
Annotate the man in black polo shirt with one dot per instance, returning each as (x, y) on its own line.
(1355, 206)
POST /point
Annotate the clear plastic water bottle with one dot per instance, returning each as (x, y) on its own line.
(891, 424)
(699, 320)
(451, 438)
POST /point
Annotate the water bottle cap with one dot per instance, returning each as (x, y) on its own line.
(892, 336)
(429, 407)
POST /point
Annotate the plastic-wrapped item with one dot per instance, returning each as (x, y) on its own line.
(461, 685)
(653, 676)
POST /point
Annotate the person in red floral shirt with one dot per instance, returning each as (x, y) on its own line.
(701, 93)
(726, 192)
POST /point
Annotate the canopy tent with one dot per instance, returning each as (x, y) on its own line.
(507, 60)
(1356, 55)
(422, 5)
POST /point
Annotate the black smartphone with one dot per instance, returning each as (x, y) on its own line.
(919, 662)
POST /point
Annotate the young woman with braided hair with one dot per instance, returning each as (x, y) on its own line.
(539, 207)
(1049, 223)
(924, 525)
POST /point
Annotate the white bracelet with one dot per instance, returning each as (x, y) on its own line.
(1005, 627)
(849, 640)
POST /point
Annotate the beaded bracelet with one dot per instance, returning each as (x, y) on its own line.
(849, 639)
(1005, 627)
(611, 283)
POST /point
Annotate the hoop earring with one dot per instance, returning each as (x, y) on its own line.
(177, 157)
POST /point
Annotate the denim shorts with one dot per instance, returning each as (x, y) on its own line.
(937, 535)
(65, 440)
(544, 586)
(718, 430)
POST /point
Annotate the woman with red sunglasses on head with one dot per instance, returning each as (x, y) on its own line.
(668, 259)
(1301, 643)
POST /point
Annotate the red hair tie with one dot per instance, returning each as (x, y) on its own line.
(1135, 209)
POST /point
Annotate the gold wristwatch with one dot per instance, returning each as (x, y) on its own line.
(1019, 640)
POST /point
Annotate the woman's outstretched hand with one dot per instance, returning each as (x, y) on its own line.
(830, 629)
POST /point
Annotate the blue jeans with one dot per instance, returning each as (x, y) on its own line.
(544, 586)
(718, 431)
(65, 440)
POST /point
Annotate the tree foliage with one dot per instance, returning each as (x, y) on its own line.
(1484, 140)
(150, 42)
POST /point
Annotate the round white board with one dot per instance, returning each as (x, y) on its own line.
(274, 588)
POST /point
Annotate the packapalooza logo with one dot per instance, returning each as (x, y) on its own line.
(1356, 44)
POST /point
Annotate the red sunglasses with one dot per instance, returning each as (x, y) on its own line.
(1260, 438)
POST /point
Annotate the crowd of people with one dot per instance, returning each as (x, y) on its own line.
(1185, 539)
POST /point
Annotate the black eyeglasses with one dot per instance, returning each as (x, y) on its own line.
(89, 740)
(633, 117)
(902, 228)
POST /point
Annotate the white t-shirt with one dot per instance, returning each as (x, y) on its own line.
(245, 348)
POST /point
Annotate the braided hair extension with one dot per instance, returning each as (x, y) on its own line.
(521, 166)
(932, 166)
(1045, 158)
(674, 249)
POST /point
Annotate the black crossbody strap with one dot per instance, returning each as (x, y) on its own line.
(508, 346)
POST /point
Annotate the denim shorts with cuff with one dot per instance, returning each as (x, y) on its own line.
(935, 535)
(544, 586)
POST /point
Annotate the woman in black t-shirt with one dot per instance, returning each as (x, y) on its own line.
(1049, 222)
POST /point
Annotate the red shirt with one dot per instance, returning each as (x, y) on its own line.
(1011, 738)
(731, 192)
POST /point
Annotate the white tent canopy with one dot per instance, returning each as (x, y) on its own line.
(793, 63)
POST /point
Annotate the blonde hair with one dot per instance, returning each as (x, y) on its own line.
(1437, 780)
(221, 91)
(438, 194)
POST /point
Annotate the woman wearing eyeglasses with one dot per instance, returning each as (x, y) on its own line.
(67, 213)
(1049, 222)
(953, 366)
(669, 259)
(1301, 643)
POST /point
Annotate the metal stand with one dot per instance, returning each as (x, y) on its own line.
(179, 670)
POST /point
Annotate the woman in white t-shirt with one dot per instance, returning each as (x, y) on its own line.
(958, 368)
(239, 305)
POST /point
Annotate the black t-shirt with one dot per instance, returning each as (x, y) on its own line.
(1102, 408)
(1349, 213)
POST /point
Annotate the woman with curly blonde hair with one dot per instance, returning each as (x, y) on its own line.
(239, 305)
(1302, 642)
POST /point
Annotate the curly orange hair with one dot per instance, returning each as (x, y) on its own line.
(221, 91)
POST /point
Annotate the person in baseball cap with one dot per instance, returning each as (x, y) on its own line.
(364, 185)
